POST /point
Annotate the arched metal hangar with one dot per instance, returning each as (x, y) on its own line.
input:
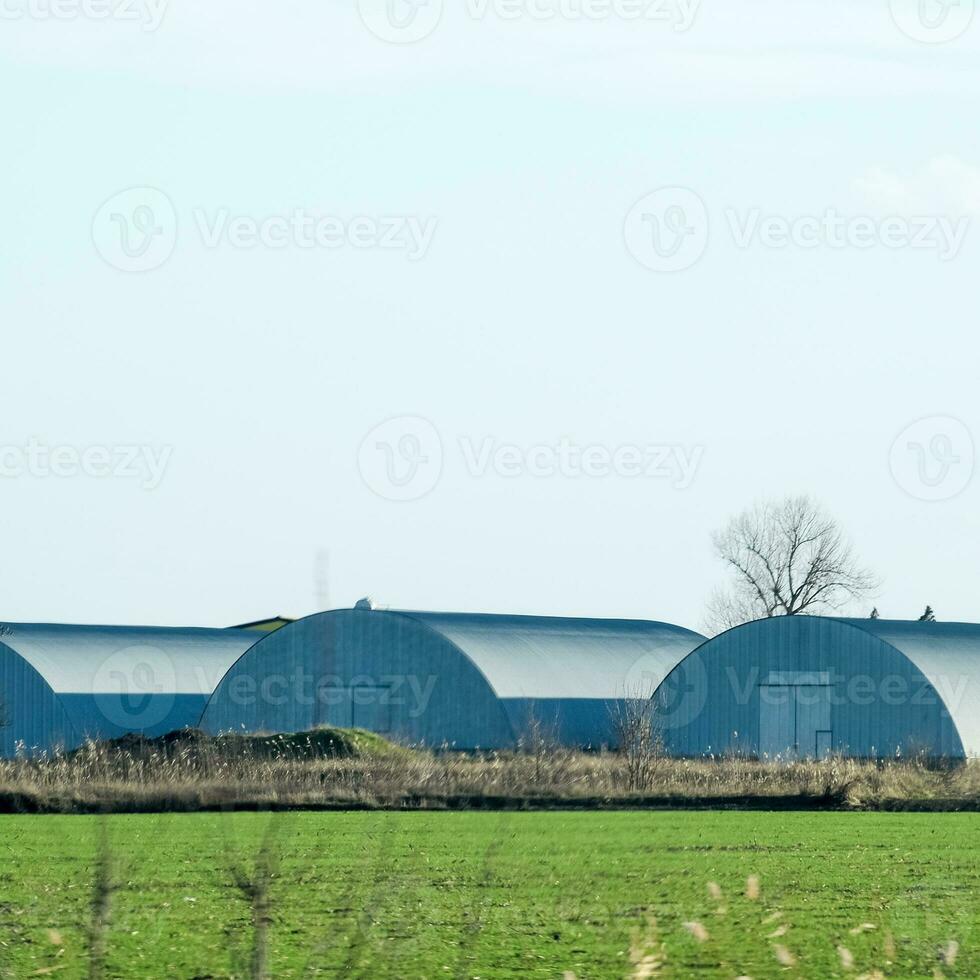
(457, 680)
(808, 687)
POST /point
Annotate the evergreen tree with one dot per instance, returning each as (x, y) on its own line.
(928, 616)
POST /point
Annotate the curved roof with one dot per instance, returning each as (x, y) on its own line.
(557, 657)
(948, 655)
(93, 659)
(945, 656)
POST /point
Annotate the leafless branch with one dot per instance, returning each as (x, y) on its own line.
(788, 558)
(639, 742)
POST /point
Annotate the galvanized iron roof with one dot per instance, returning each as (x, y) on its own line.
(106, 659)
(555, 657)
(948, 655)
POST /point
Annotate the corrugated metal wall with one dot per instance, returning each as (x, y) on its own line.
(30, 713)
(62, 684)
(455, 679)
(813, 685)
(881, 704)
(363, 669)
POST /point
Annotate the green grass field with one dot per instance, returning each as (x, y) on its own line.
(498, 894)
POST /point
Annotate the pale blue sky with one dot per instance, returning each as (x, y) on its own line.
(526, 322)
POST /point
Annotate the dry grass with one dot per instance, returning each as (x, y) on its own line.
(649, 957)
(204, 774)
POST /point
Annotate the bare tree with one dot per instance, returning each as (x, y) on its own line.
(540, 741)
(639, 741)
(788, 558)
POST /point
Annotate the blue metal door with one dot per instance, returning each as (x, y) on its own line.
(794, 721)
(777, 721)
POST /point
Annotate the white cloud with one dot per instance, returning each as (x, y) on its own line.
(945, 185)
